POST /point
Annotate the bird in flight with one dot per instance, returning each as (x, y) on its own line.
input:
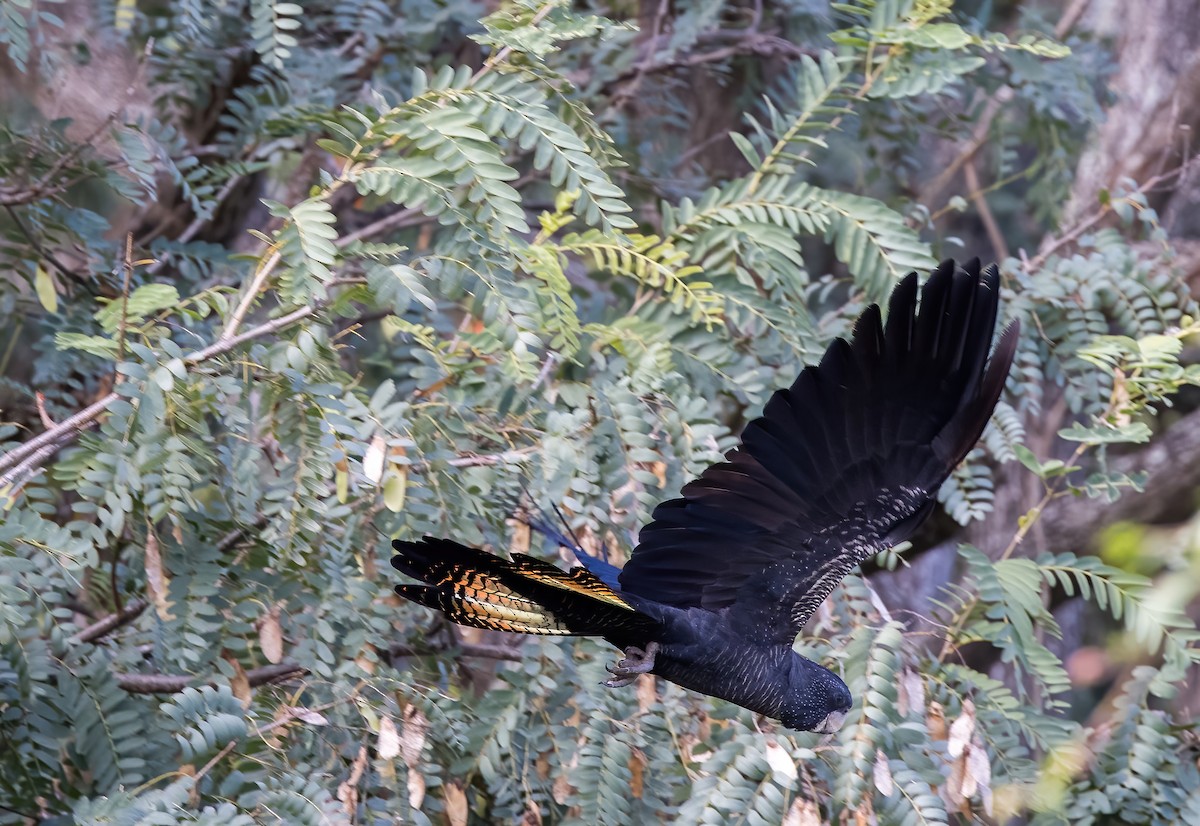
(842, 465)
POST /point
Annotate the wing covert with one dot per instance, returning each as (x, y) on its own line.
(841, 465)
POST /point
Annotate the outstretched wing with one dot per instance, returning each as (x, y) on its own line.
(841, 465)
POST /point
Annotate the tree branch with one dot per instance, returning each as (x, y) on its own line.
(110, 623)
(173, 683)
(489, 652)
(22, 461)
(1172, 465)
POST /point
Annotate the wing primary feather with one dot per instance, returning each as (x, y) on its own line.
(841, 464)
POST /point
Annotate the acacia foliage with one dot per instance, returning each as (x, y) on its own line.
(479, 288)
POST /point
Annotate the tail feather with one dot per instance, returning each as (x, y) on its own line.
(524, 595)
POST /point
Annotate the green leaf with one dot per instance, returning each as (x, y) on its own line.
(1104, 433)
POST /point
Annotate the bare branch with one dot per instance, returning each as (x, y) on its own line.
(173, 683)
(489, 652)
(110, 623)
(21, 461)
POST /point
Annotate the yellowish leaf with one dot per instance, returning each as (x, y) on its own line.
(341, 481)
(47, 293)
(395, 489)
(157, 580)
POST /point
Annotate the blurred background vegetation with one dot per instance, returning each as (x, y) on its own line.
(284, 280)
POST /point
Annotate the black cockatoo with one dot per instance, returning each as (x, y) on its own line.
(840, 466)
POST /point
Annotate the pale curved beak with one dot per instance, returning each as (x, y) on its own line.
(832, 722)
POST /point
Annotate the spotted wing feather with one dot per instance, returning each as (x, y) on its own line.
(524, 594)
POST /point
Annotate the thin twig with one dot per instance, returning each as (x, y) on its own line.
(127, 267)
(502, 55)
(243, 307)
(289, 716)
(40, 250)
(979, 137)
(999, 245)
(1070, 18)
(25, 458)
(490, 652)
(398, 219)
(1099, 215)
(43, 187)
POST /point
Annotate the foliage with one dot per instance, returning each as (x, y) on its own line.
(473, 275)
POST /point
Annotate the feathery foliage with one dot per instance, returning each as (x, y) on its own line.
(482, 267)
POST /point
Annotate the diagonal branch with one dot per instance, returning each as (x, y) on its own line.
(19, 463)
(174, 683)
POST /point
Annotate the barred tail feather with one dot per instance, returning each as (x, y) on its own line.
(524, 595)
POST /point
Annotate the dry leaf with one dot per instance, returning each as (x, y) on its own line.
(647, 692)
(978, 776)
(456, 804)
(239, 683)
(373, 460)
(802, 812)
(157, 580)
(962, 730)
(780, 761)
(562, 789)
(270, 635)
(306, 715)
(864, 815)
(347, 791)
(952, 790)
(522, 535)
(935, 721)
(388, 745)
(882, 774)
(637, 772)
(416, 789)
(412, 740)
(911, 695)
(533, 814)
(659, 469)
